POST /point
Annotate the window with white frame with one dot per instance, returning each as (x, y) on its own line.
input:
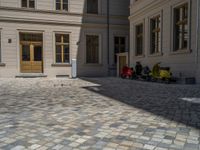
(0, 46)
(139, 39)
(181, 29)
(92, 49)
(155, 35)
(62, 48)
(28, 3)
(92, 6)
(119, 46)
(62, 5)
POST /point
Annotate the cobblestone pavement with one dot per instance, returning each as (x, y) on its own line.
(98, 113)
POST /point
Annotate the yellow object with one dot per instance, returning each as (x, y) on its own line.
(159, 73)
(165, 74)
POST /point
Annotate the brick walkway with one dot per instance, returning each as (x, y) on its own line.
(98, 113)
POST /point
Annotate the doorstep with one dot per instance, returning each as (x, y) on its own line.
(31, 75)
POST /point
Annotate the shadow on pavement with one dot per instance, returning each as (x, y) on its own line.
(180, 103)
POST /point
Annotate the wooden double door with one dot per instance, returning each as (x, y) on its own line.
(31, 56)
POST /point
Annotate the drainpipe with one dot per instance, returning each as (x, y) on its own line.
(108, 33)
(197, 36)
(197, 42)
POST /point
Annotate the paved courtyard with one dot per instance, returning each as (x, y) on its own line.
(98, 113)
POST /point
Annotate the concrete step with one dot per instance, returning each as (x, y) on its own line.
(31, 75)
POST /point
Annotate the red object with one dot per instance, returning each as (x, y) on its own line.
(127, 72)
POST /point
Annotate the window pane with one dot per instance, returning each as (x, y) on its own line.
(36, 37)
(58, 58)
(58, 38)
(122, 40)
(66, 38)
(181, 27)
(0, 46)
(58, 49)
(25, 53)
(116, 40)
(139, 40)
(37, 53)
(65, 7)
(92, 48)
(66, 49)
(122, 49)
(62, 48)
(119, 46)
(66, 58)
(31, 3)
(58, 6)
(116, 49)
(92, 6)
(24, 3)
(31, 37)
(155, 35)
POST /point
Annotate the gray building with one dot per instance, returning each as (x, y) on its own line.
(167, 32)
(41, 37)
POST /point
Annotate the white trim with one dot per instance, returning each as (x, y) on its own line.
(100, 48)
(18, 47)
(61, 10)
(161, 33)
(43, 52)
(134, 38)
(197, 32)
(113, 46)
(35, 3)
(18, 50)
(54, 46)
(0, 45)
(172, 50)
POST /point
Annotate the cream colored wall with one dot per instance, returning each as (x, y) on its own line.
(10, 51)
(198, 45)
(45, 19)
(11, 56)
(182, 63)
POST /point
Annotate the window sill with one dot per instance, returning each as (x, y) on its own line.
(61, 65)
(94, 65)
(156, 54)
(140, 56)
(28, 8)
(91, 14)
(181, 51)
(62, 11)
(2, 65)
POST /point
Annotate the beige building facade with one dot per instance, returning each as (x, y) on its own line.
(167, 32)
(41, 37)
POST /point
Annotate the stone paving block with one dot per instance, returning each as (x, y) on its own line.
(149, 147)
(19, 147)
(96, 114)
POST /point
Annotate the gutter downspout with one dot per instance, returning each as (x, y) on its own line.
(197, 40)
(108, 34)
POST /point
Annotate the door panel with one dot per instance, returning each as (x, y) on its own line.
(25, 59)
(37, 53)
(122, 63)
(37, 59)
(26, 53)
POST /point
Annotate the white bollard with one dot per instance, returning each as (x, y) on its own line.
(74, 68)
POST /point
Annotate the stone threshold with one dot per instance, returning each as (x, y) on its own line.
(31, 75)
(2, 64)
